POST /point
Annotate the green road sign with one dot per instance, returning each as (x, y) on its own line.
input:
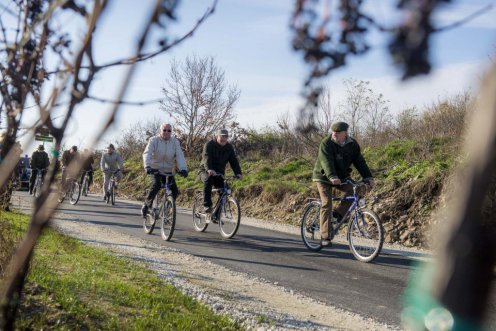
(43, 138)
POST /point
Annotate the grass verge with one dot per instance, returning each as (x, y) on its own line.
(72, 286)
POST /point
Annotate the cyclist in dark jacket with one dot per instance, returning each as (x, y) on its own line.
(216, 154)
(87, 166)
(337, 153)
(39, 160)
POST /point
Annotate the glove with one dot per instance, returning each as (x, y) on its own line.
(183, 173)
(148, 170)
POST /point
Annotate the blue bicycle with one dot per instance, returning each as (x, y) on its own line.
(226, 211)
(365, 233)
(165, 212)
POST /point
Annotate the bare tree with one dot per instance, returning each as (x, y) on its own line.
(29, 38)
(198, 97)
(356, 105)
(377, 118)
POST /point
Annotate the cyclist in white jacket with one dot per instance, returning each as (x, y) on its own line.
(109, 164)
(163, 154)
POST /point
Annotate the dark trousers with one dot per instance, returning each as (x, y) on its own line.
(157, 181)
(208, 182)
(90, 177)
(32, 179)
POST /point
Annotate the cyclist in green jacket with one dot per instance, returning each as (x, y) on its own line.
(337, 152)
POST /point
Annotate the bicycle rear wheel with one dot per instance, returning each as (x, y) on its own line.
(366, 235)
(37, 188)
(167, 218)
(310, 226)
(199, 218)
(74, 193)
(229, 218)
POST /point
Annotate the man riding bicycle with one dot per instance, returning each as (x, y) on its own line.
(111, 164)
(337, 152)
(216, 154)
(68, 157)
(39, 160)
(162, 155)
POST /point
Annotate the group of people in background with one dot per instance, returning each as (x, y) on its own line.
(164, 157)
(111, 163)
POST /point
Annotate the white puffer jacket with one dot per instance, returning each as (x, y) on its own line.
(164, 155)
(111, 162)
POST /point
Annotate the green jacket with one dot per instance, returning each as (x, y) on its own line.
(334, 161)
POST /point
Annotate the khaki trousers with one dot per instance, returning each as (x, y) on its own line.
(325, 192)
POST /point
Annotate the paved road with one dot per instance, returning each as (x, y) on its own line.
(332, 275)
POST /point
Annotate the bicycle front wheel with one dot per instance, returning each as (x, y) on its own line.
(365, 235)
(199, 217)
(74, 193)
(310, 226)
(167, 218)
(85, 186)
(112, 195)
(229, 218)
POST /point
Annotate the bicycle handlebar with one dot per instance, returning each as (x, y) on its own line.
(226, 177)
(156, 171)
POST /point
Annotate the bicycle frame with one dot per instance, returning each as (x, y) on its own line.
(355, 206)
(221, 201)
(166, 189)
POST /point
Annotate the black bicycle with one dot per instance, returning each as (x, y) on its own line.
(226, 211)
(86, 183)
(365, 233)
(165, 212)
(110, 194)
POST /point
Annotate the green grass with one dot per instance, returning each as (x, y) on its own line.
(73, 286)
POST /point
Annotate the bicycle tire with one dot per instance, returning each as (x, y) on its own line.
(37, 188)
(149, 222)
(74, 193)
(167, 218)
(112, 194)
(84, 189)
(199, 219)
(229, 218)
(310, 226)
(366, 236)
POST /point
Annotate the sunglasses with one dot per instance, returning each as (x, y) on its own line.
(164, 130)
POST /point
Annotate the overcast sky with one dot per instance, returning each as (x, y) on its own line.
(251, 41)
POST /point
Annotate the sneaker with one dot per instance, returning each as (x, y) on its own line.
(325, 242)
(144, 210)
